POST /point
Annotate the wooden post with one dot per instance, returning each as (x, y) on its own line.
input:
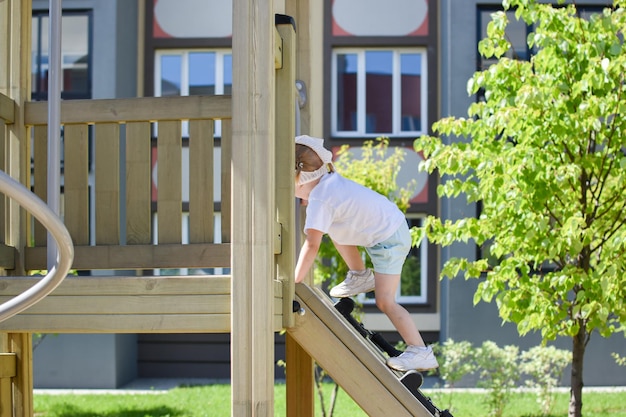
(15, 41)
(309, 58)
(285, 161)
(309, 15)
(253, 211)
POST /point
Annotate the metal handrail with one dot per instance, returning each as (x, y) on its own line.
(65, 253)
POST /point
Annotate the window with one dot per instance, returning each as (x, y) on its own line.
(413, 288)
(379, 92)
(76, 56)
(516, 32)
(193, 72)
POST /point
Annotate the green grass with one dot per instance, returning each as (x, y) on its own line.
(214, 400)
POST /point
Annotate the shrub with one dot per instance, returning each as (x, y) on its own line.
(499, 374)
(544, 365)
(456, 359)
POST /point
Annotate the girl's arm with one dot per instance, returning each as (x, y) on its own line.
(308, 253)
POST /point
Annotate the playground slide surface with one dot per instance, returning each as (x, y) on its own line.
(352, 361)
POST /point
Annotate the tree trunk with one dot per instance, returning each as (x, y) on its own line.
(578, 353)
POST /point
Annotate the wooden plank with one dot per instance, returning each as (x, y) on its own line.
(278, 50)
(7, 109)
(201, 255)
(201, 173)
(169, 182)
(7, 256)
(114, 286)
(6, 384)
(284, 166)
(226, 177)
(8, 365)
(107, 172)
(40, 157)
(4, 220)
(132, 109)
(349, 359)
(21, 343)
(138, 183)
(89, 304)
(130, 305)
(299, 380)
(77, 182)
(253, 209)
(15, 75)
(114, 323)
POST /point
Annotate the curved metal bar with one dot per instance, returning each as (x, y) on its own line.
(65, 254)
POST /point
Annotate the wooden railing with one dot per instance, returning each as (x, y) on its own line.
(111, 195)
(116, 244)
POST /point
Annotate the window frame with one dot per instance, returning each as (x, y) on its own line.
(397, 52)
(38, 94)
(184, 54)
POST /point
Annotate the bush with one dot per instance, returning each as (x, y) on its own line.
(544, 365)
(500, 369)
(499, 374)
(456, 359)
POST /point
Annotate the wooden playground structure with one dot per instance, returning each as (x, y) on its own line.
(258, 236)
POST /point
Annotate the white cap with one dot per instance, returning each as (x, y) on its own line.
(317, 145)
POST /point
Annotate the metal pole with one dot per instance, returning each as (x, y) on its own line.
(54, 119)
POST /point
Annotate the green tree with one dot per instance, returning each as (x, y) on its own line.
(544, 155)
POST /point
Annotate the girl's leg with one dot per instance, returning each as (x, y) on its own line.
(386, 287)
(359, 279)
(351, 256)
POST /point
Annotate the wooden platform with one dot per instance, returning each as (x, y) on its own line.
(127, 304)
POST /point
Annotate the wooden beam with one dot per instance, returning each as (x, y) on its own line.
(285, 161)
(252, 346)
(7, 256)
(300, 380)
(117, 323)
(169, 180)
(107, 187)
(196, 255)
(7, 109)
(116, 304)
(278, 50)
(353, 362)
(8, 365)
(22, 345)
(76, 175)
(133, 109)
(6, 384)
(201, 174)
(124, 285)
(138, 183)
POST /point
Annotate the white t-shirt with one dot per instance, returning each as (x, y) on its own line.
(350, 213)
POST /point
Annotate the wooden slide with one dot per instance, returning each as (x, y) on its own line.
(351, 360)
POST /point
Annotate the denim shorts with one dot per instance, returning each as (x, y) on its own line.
(388, 256)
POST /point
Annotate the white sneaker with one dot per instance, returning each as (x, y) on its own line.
(354, 284)
(414, 358)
